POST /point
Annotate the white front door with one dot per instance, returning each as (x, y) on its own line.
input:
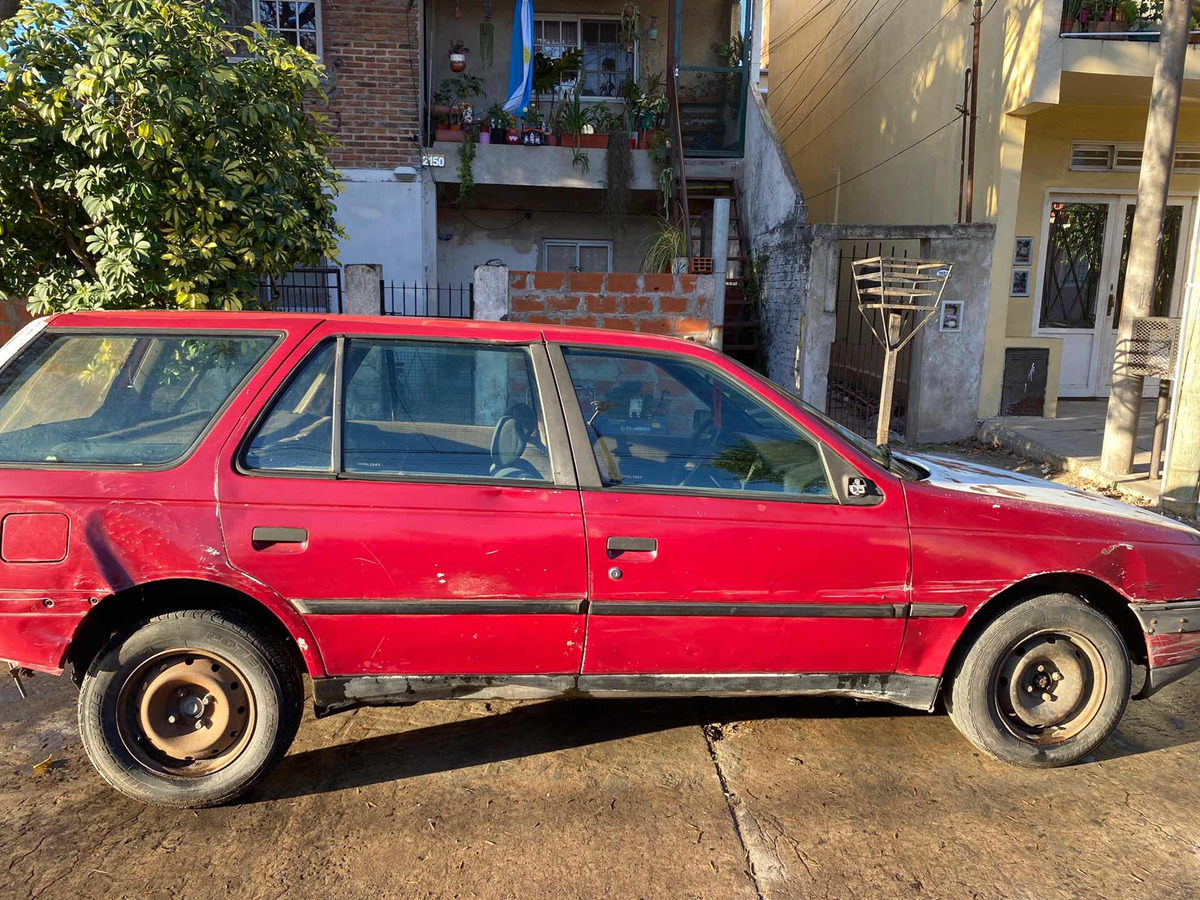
(1085, 247)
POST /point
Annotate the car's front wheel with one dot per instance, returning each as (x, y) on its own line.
(189, 709)
(1043, 685)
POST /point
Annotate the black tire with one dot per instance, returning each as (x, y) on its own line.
(133, 763)
(1057, 714)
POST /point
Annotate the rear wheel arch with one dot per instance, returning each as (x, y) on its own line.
(121, 610)
(1096, 593)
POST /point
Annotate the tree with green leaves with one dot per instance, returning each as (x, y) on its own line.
(153, 159)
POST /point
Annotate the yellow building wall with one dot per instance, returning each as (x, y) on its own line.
(854, 85)
(1043, 167)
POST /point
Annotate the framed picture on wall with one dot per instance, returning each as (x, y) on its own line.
(951, 317)
(1023, 251)
(1020, 283)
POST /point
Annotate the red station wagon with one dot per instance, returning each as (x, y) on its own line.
(197, 510)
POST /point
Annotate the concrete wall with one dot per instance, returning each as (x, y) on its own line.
(468, 238)
(775, 215)
(947, 368)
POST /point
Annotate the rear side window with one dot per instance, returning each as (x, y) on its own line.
(118, 399)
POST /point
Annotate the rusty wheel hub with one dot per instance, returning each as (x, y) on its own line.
(1049, 686)
(186, 713)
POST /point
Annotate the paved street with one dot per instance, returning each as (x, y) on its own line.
(687, 798)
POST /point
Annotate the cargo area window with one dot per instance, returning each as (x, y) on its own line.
(118, 399)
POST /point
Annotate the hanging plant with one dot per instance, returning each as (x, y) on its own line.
(631, 26)
(466, 168)
(458, 56)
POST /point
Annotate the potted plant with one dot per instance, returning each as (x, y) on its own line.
(1070, 16)
(499, 122)
(533, 134)
(573, 124)
(666, 250)
(604, 122)
(458, 56)
(443, 112)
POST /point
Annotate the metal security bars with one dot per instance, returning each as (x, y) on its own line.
(856, 358)
(441, 301)
(312, 290)
(710, 64)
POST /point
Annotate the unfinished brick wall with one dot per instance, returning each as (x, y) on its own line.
(677, 305)
(370, 50)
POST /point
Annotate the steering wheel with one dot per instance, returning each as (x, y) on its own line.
(699, 448)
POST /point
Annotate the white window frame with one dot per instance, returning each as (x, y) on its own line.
(579, 20)
(559, 242)
(273, 32)
(1114, 149)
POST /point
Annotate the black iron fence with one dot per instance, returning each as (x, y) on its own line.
(314, 290)
(856, 355)
(443, 301)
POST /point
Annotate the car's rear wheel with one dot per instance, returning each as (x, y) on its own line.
(1043, 685)
(189, 708)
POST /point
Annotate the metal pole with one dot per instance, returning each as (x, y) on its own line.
(1160, 427)
(962, 151)
(720, 252)
(888, 387)
(1124, 401)
(974, 113)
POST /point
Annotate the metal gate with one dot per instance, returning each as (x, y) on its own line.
(711, 54)
(316, 289)
(442, 301)
(856, 356)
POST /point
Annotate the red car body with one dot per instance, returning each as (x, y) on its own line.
(407, 588)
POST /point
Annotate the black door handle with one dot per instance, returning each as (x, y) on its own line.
(631, 545)
(261, 535)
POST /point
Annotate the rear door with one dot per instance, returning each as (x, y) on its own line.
(716, 537)
(412, 496)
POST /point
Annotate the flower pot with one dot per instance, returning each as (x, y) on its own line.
(533, 137)
(1069, 26)
(456, 126)
(458, 62)
(513, 137)
(485, 137)
(1194, 37)
(552, 140)
(499, 135)
(593, 141)
(449, 134)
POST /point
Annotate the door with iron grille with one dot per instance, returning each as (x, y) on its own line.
(712, 57)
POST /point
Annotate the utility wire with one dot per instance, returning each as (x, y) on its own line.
(792, 30)
(838, 80)
(816, 49)
(874, 84)
(884, 162)
(838, 55)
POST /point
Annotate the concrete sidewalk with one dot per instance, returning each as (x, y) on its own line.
(1072, 443)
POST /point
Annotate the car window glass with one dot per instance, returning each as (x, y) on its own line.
(424, 408)
(297, 433)
(118, 399)
(658, 421)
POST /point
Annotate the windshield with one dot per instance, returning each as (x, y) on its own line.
(882, 455)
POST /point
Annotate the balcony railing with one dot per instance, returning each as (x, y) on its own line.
(1114, 20)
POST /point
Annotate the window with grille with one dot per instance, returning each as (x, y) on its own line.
(606, 63)
(1126, 157)
(577, 256)
(296, 21)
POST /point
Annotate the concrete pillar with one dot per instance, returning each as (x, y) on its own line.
(491, 292)
(720, 252)
(1181, 480)
(362, 289)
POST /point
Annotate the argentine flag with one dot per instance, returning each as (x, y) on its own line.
(520, 70)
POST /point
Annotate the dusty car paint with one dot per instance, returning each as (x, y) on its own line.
(402, 578)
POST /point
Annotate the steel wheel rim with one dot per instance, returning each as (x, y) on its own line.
(184, 712)
(1048, 686)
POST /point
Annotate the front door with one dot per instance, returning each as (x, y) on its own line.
(716, 543)
(405, 495)
(1085, 244)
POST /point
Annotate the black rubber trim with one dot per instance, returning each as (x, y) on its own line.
(1179, 617)
(631, 545)
(267, 535)
(935, 610)
(767, 610)
(439, 607)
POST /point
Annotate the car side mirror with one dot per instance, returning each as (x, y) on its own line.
(860, 491)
